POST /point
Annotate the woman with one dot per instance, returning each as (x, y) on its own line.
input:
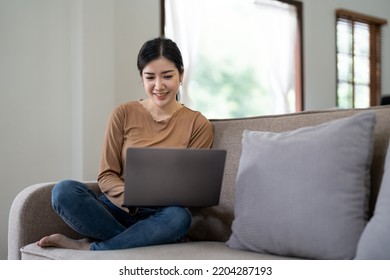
(157, 121)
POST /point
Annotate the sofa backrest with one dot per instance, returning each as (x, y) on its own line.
(215, 223)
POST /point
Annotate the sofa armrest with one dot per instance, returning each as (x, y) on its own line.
(32, 217)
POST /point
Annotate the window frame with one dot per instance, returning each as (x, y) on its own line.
(374, 26)
(299, 76)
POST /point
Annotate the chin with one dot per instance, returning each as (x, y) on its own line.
(163, 99)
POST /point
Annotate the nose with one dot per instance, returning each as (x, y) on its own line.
(159, 85)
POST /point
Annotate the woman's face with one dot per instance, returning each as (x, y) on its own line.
(161, 81)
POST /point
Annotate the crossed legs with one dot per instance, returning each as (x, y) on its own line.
(108, 227)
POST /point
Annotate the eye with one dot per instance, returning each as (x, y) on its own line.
(149, 77)
(168, 77)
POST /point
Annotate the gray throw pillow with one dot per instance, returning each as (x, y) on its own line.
(304, 193)
(374, 244)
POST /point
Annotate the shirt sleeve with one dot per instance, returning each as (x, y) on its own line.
(203, 134)
(111, 165)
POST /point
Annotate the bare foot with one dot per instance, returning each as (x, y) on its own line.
(62, 241)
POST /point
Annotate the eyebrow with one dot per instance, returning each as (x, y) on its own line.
(164, 72)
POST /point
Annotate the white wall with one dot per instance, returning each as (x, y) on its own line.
(64, 65)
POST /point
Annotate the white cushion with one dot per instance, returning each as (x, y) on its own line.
(304, 193)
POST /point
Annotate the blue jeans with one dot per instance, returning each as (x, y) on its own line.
(111, 227)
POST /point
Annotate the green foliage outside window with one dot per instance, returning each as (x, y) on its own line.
(225, 89)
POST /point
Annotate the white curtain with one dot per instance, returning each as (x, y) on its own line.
(273, 28)
(183, 22)
(278, 23)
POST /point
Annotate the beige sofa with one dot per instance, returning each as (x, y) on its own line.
(31, 216)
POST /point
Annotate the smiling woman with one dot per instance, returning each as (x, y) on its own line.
(161, 81)
(157, 121)
(160, 65)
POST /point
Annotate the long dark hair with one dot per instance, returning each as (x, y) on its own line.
(155, 48)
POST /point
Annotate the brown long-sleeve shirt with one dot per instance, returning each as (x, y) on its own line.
(131, 125)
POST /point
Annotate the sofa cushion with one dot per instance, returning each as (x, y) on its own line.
(304, 193)
(178, 251)
(375, 240)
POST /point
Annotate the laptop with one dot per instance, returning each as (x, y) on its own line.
(173, 177)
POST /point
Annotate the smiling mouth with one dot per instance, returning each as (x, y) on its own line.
(160, 94)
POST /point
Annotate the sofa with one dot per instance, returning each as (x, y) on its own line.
(221, 232)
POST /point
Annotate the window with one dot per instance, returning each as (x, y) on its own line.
(242, 58)
(358, 59)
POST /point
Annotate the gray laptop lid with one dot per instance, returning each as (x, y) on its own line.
(173, 177)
